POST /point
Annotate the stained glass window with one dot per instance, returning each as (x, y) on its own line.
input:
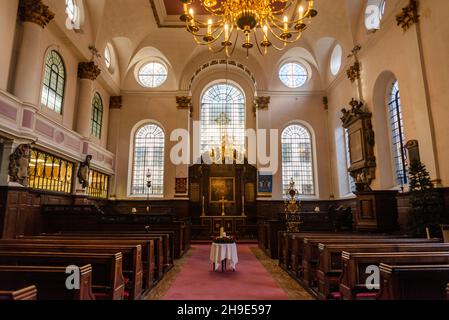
(293, 75)
(98, 185)
(50, 173)
(149, 148)
(53, 83)
(97, 116)
(222, 113)
(153, 75)
(297, 159)
(397, 135)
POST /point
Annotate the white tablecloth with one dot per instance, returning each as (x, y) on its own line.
(220, 252)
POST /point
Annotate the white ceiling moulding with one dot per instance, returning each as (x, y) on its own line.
(164, 20)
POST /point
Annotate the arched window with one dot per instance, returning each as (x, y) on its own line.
(222, 113)
(97, 116)
(397, 134)
(297, 159)
(54, 82)
(149, 148)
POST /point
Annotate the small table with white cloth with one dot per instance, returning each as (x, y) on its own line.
(224, 254)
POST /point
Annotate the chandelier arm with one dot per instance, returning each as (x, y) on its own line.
(210, 10)
(257, 43)
(203, 25)
(287, 7)
(235, 42)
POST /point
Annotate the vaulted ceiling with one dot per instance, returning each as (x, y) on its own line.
(133, 25)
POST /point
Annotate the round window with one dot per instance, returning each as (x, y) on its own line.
(293, 75)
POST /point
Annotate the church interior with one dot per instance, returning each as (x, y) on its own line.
(292, 150)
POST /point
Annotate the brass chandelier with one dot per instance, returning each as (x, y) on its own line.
(263, 23)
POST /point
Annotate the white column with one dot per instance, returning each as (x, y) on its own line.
(8, 18)
(183, 122)
(88, 73)
(86, 87)
(28, 76)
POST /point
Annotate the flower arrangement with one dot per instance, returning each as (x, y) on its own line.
(224, 240)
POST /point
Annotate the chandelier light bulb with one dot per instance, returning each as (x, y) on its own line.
(301, 12)
(285, 24)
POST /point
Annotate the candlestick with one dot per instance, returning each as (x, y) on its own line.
(223, 213)
(285, 23)
(221, 232)
(301, 12)
(203, 208)
(209, 27)
(226, 29)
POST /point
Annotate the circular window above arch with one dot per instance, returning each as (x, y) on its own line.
(293, 75)
(108, 56)
(75, 14)
(152, 75)
(374, 13)
(336, 58)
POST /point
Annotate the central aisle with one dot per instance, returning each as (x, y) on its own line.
(251, 281)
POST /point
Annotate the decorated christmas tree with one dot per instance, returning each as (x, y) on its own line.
(426, 202)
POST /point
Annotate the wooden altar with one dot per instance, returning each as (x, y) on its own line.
(223, 195)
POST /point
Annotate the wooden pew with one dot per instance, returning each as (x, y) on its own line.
(352, 283)
(29, 293)
(311, 252)
(151, 265)
(161, 248)
(168, 242)
(330, 264)
(49, 281)
(132, 259)
(291, 246)
(413, 282)
(447, 292)
(107, 277)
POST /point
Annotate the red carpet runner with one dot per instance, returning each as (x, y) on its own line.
(197, 281)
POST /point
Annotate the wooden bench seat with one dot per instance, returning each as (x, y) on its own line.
(150, 262)
(132, 259)
(447, 292)
(25, 294)
(413, 282)
(290, 243)
(328, 274)
(160, 248)
(168, 243)
(352, 284)
(49, 281)
(311, 252)
(107, 277)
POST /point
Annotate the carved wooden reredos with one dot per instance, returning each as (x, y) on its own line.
(357, 120)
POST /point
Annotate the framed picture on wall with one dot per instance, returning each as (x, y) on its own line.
(265, 185)
(222, 188)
